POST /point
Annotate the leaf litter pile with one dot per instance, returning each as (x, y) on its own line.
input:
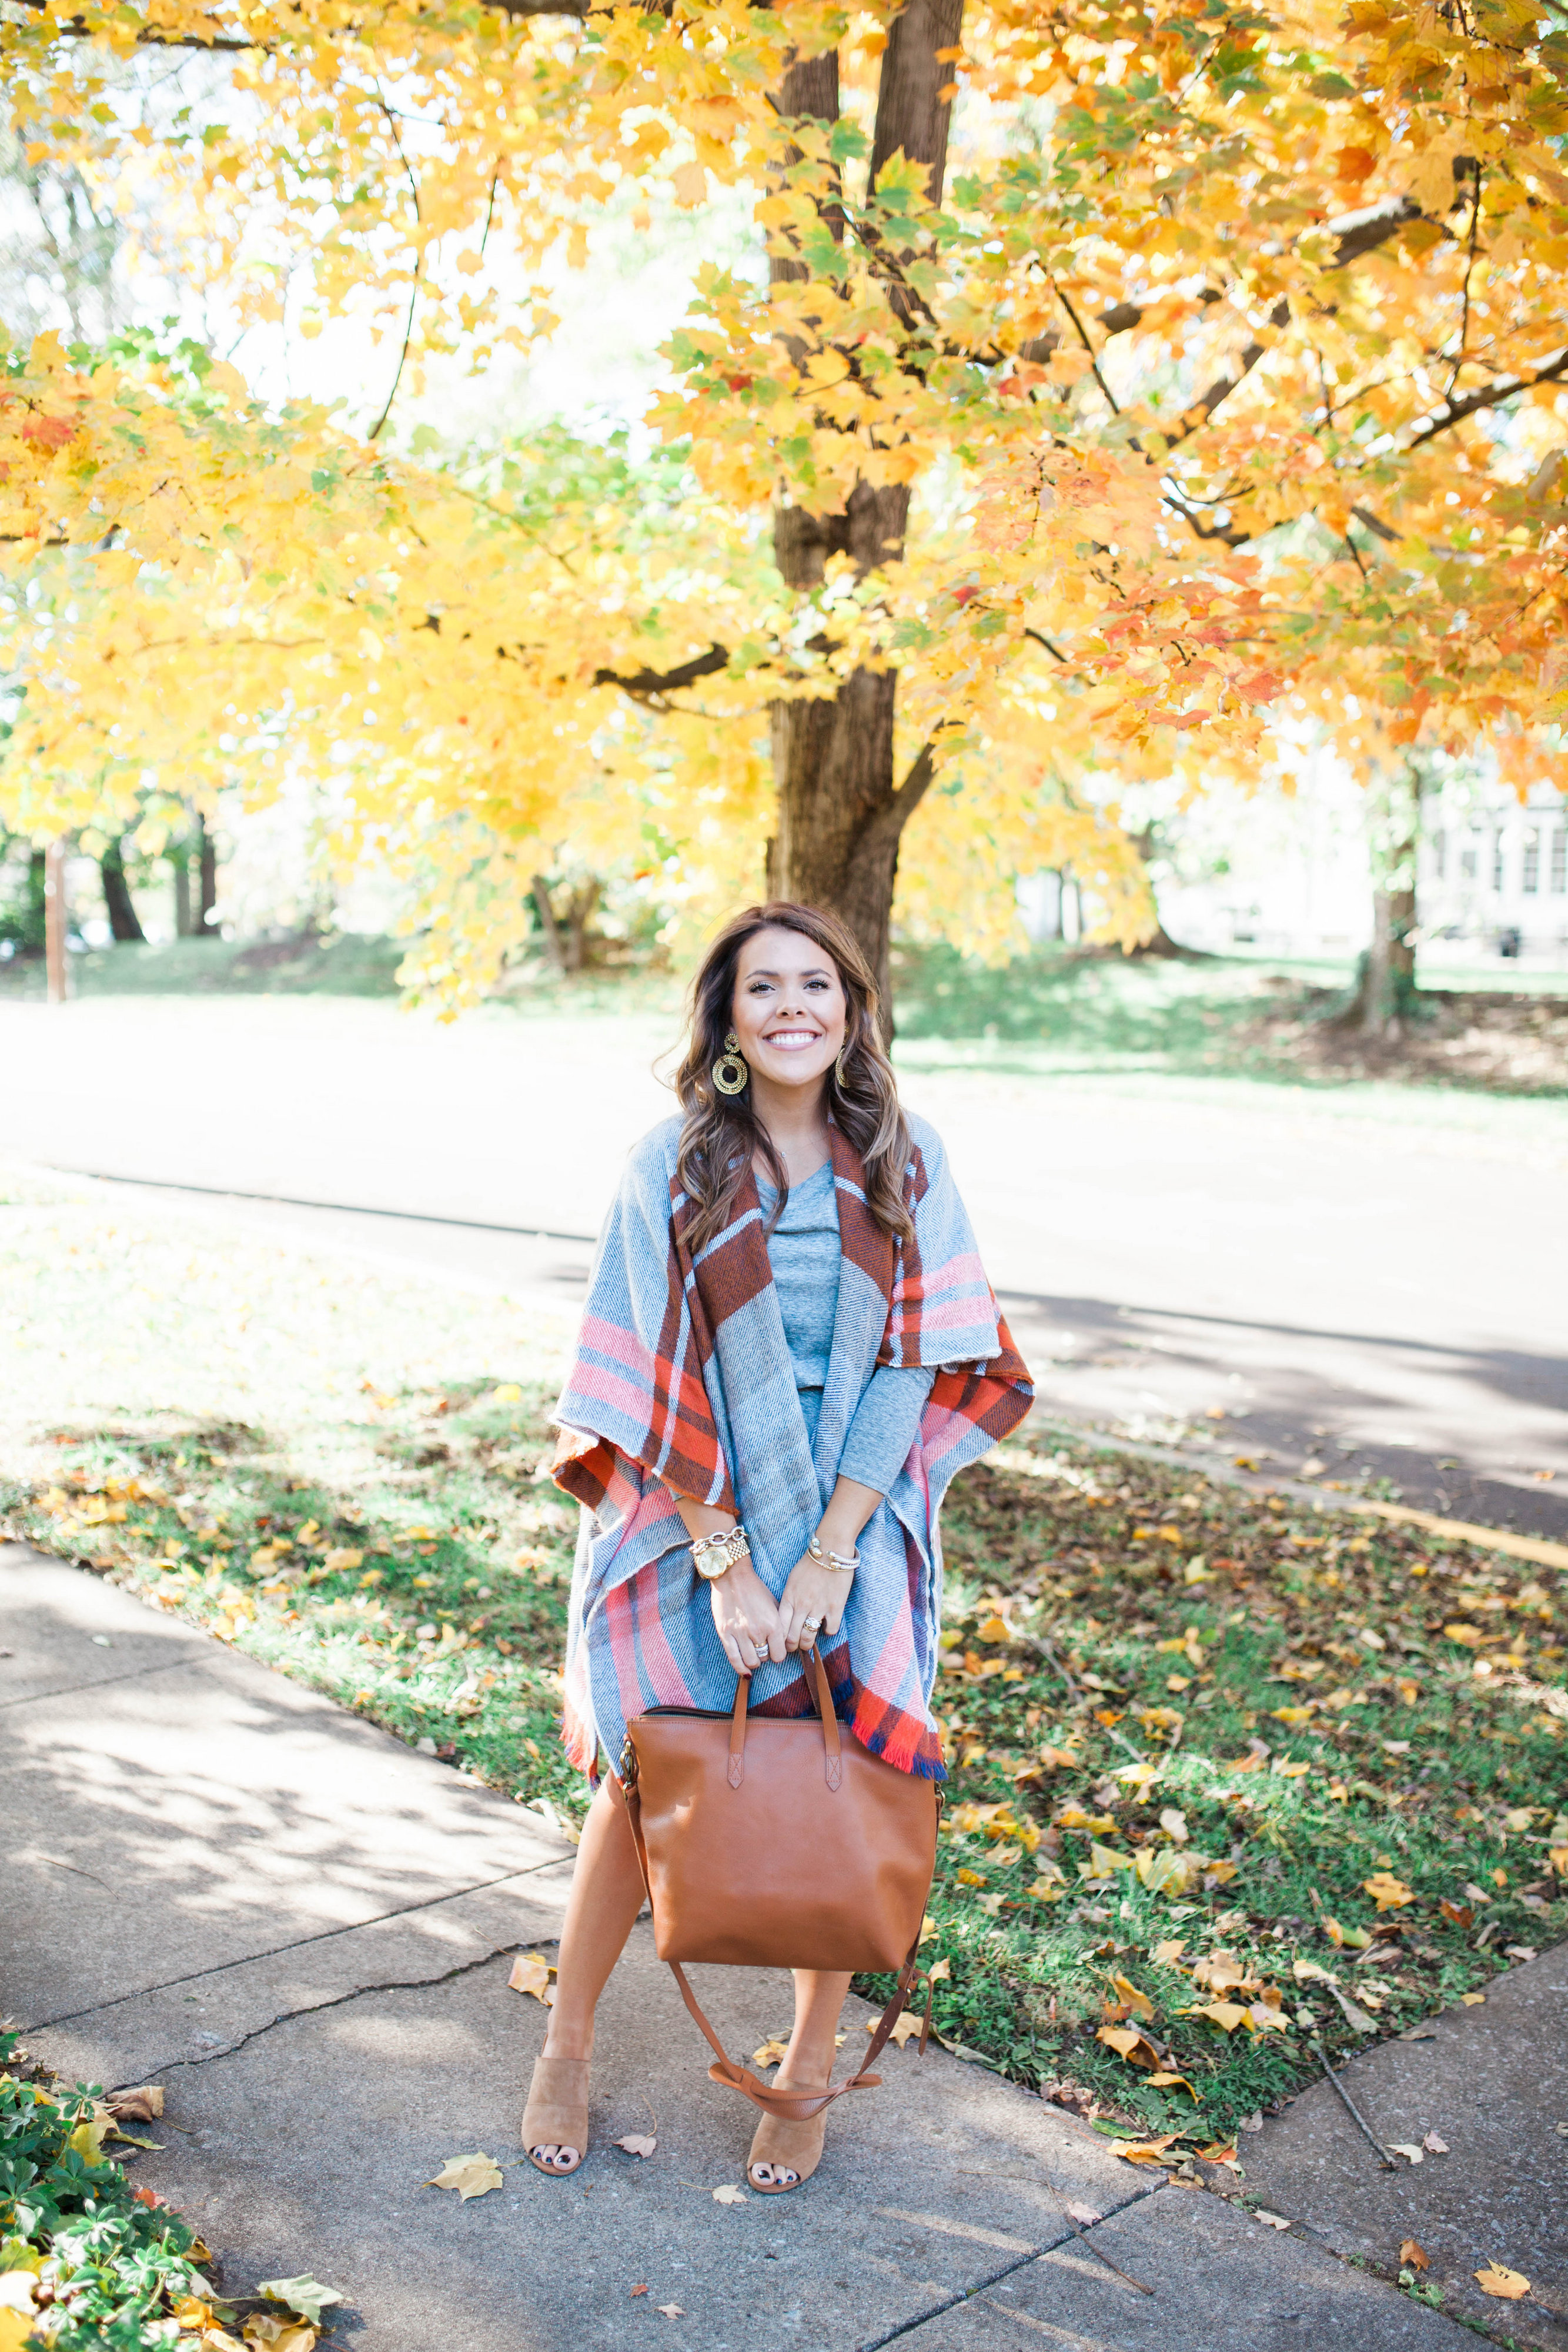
(88, 2264)
(1235, 1779)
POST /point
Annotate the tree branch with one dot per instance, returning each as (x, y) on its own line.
(880, 834)
(651, 686)
(1454, 412)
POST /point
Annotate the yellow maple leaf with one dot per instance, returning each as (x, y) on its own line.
(470, 2176)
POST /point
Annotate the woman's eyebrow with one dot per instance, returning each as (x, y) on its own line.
(812, 972)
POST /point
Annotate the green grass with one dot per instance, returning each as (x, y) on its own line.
(349, 964)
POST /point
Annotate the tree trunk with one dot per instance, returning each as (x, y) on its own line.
(1385, 983)
(181, 864)
(124, 924)
(207, 929)
(1159, 942)
(840, 807)
(57, 924)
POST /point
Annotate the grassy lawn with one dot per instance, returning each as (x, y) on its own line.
(1230, 1775)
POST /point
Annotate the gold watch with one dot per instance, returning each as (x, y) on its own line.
(714, 1555)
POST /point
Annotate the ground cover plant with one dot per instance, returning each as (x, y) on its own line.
(1236, 1781)
(90, 2262)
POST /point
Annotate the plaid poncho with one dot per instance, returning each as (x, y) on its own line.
(683, 1380)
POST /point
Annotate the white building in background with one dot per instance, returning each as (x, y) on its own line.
(1290, 875)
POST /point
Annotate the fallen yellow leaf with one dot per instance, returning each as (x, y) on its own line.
(1473, 2000)
(268, 2333)
(1129, 2043)
(1138, 2002)
(1163, 2079)
(470, 2176)
(531, 1972)
(1386, 1891)
(730, 2195)
(1142, 2151)
(1507, 2285)
(771, 2052)
(1226, 2013)
(995, 1629)
(1411, 2250)
(637, 2144)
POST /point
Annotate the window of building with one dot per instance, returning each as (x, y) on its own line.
(1440, 854)
(1559, 857)
(1468, 865)
(1529, 876)
(1497, 861)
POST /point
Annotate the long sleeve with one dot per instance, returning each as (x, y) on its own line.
(884, 1425)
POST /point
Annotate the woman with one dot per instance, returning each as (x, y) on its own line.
(789, 1348)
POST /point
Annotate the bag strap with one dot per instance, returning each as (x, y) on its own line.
(797, 2106)
(821, 1699)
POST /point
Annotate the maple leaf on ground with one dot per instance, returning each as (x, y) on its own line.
(906, 2027)
(771, 2052)
(637, 2144)
(531, 1972)
(639, 2290)
(1438, 2146)
(305, 2294)
(1411, 2250)
(1506, 2285)
(730, 2195)
(670, 2310)
(143, 2104)
(470, 2176)
(265, 2332)
(1084, 2214)
(1274, 2220)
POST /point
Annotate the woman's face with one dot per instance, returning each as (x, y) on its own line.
(789, 1010)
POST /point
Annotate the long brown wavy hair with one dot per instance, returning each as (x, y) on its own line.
(723, 1133)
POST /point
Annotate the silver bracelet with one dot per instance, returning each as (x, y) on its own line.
(833, 1561)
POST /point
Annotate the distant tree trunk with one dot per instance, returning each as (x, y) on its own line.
(57, 922)
(1159, 942)
(181, 861)
(842, 809)
(1385, 982)
(207, 868)
(124, 923)
(547, 923)
(37, 914)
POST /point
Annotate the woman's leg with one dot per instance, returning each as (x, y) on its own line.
(808, 2064)
(606, 1895)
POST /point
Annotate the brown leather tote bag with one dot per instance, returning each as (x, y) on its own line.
(779, 1841)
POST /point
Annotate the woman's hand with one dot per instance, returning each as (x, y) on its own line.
(813, 1603)
(745, 1617)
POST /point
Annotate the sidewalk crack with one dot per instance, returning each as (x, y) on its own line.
(301, 1943)
(1008, 2270)
(314, 2008)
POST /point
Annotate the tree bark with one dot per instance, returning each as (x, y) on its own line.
(57, 924)
(1385, 985)
(207, 929)
(840, 808)
(124, 923)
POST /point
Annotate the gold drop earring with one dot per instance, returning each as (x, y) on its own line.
(730, 1072)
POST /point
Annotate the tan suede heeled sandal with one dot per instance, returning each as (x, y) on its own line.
(556, 2113)
(786, 2147)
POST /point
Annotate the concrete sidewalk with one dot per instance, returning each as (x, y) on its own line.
(303, 1929)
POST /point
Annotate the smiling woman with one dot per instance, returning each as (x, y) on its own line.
(789, 1350)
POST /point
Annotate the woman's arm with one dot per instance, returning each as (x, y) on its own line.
(745, 1617)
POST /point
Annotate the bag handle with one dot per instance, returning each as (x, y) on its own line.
(797, 2106)
(821, 1699)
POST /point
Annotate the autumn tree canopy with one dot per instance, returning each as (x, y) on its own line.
(1113, 382)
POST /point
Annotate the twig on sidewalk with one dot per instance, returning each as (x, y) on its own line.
(1088, 2241)
(1362, 2125)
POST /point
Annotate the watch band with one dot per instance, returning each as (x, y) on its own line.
(713, 1555)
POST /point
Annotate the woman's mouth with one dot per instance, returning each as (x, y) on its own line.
(792, 1041)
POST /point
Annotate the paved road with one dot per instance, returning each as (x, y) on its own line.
(302, 1929)
(1379, 1288)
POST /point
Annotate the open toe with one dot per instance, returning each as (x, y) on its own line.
(784, 2154)
(555, 2122)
